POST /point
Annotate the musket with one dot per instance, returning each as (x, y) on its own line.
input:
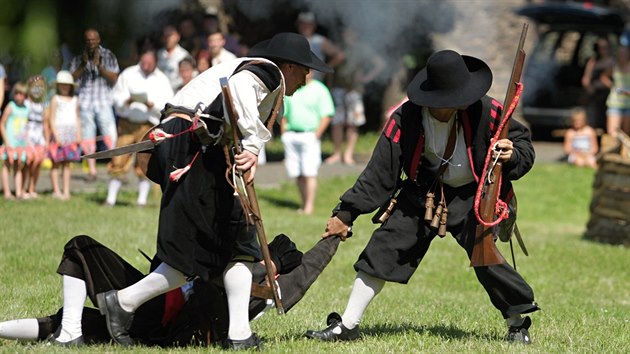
(485, 251)
(252, 204)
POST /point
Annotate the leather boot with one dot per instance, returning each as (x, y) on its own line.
(519, 333)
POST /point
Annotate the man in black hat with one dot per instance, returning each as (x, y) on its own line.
(201, 233)
(439, 139)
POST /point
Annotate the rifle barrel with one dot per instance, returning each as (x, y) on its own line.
(485, 251)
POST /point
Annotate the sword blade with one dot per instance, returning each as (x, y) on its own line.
(517, 233)
(127, 149)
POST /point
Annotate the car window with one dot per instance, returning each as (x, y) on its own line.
(566, 48)
(587, 49)
(546, 47)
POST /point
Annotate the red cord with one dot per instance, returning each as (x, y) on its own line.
(501, 209)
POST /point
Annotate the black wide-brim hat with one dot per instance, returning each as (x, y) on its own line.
(290, 47)
(450, 80)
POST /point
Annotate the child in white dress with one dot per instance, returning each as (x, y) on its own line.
(66, 133)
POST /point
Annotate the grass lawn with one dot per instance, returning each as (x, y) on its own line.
(583, 287)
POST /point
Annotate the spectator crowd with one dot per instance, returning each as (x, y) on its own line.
(92, 103)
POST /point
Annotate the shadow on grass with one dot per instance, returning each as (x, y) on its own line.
(280, 203)
(440, 331)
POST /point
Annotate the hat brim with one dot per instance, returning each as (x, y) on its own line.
(260, 50)
(55, 82)
(465, 94)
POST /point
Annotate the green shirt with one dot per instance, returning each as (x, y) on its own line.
(616, 99)
(308, 105)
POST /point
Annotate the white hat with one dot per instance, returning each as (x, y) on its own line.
(306, 17)
(64, 77)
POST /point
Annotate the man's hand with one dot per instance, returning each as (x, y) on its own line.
(84, 58)
(504, 149)
(97, 57)
(274, 270)
(247, 160)
(336, 227)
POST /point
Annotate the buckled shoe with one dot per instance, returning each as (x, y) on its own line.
(243, 344)
(519, 333)
(335, 331)
(118, 320)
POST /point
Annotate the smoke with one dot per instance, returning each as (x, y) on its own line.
(381, 23)
(139, 15)
(392, 29)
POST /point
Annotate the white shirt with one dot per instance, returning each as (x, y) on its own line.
(252, 100)
(224, 55)
(436, 135)
(133, 82)
(169, 64)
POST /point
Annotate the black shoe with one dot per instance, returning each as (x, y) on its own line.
(242, 344)
(77, 342)
(118, 320)
(519, 333)
(335, 331)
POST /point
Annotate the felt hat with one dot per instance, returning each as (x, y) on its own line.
(450, 80)
(290, 47)
(64, 77)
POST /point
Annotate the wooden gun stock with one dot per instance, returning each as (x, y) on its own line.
(252, 201)
(485, 251)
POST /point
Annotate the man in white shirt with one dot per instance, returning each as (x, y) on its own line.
(170, 56)
(218, 54)
(140, 92)
(202, 228)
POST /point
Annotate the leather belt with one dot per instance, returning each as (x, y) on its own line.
(176, 115)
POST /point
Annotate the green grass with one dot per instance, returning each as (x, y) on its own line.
(365, 145)
(583, 287)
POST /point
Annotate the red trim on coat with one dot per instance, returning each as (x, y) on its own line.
(390, 127)
(494, 113)
(396, 137)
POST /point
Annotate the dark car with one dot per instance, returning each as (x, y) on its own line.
(554, 68)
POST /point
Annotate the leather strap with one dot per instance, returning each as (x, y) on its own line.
(448, 152)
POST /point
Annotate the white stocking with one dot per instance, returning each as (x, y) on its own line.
(74, 295)
(237, 279)
(112, 191)
(24, 329)
(365, 288)
(144, 187)
(161, 280)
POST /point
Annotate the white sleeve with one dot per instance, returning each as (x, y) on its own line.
(247, 93)
(163, 92)
(120, 94)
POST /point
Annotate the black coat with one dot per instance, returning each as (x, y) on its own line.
(403, 138)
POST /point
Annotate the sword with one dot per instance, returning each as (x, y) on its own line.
(127, 149)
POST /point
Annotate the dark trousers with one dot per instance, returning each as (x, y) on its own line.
(396, 249)
(102, 270)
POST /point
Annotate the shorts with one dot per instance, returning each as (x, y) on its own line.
(349, 109)
(618, 111)
(302, 153)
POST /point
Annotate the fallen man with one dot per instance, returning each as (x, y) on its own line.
(195, 314)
